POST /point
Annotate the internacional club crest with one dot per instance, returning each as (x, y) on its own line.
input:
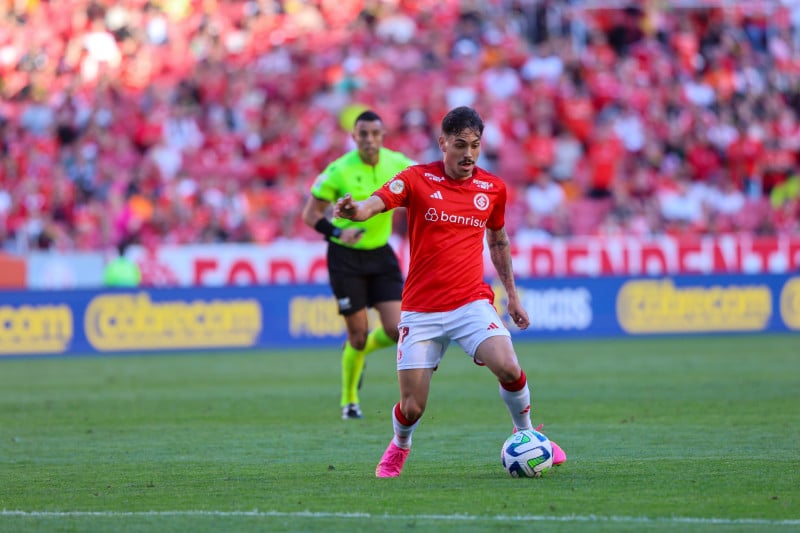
(481, 201)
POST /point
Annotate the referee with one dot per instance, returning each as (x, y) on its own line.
(362, 267)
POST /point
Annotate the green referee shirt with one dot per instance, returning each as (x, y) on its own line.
(122, 272)
(350, 174)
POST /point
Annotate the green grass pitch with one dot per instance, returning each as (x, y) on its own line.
(662, 434)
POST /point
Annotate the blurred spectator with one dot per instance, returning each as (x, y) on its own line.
(547, 205)
(635, 208)
(540, 148)
(500, 81)
(785, 200)
(744, 159)
(628, 127)
(779, 163)
(626, 28)
(604, 159)
(121, 271)
(544, 64)
(567, 152)
(576, 109)
(682, 204)
(702, 159)
(724, 201)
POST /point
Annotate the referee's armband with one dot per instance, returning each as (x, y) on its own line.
(325, 227)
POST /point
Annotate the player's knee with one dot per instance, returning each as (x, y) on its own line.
(508, 373)
(357, 340)
(412, 409)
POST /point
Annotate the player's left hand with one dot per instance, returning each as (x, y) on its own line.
(345, 207)
(518, 315)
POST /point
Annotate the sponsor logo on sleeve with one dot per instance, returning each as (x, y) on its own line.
(397, 186)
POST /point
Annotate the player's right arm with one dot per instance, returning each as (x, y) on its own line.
(347, 208)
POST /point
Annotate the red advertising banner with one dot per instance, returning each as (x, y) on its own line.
(628, 256)
(304, 262)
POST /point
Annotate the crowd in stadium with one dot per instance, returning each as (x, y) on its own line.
(206, 121)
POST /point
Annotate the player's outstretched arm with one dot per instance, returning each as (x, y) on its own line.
(348, 208)
(500, 252)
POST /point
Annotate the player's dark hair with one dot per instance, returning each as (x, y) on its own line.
(368, 116)
(460, 119)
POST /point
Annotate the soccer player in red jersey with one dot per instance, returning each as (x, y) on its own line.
(452, 207)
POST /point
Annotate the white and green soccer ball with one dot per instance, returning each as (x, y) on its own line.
(527, 453)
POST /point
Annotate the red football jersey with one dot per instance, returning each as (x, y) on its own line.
(447, 221)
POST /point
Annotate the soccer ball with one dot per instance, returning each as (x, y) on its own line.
(527, 453)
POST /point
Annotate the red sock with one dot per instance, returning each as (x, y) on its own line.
(517, 384)
(403, 428)
(398, 414)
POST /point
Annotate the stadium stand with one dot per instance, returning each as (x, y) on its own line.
(189, 121)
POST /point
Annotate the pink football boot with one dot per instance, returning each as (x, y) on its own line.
(392, 461)
(559, 456)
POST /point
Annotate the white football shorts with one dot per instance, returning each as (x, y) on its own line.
(424, 337)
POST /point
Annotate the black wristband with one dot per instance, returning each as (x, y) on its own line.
(325, 227)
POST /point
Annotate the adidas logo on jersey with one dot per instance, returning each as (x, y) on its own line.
(437, 195)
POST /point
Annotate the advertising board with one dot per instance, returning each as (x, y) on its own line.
(305, 315)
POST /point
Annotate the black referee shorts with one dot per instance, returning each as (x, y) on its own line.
(363, 278)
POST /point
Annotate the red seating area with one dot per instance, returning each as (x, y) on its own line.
(185, 121)
(587, 215)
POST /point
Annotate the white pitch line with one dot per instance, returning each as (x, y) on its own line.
(432, 517)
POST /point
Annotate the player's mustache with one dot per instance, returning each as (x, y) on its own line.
(466, 162)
